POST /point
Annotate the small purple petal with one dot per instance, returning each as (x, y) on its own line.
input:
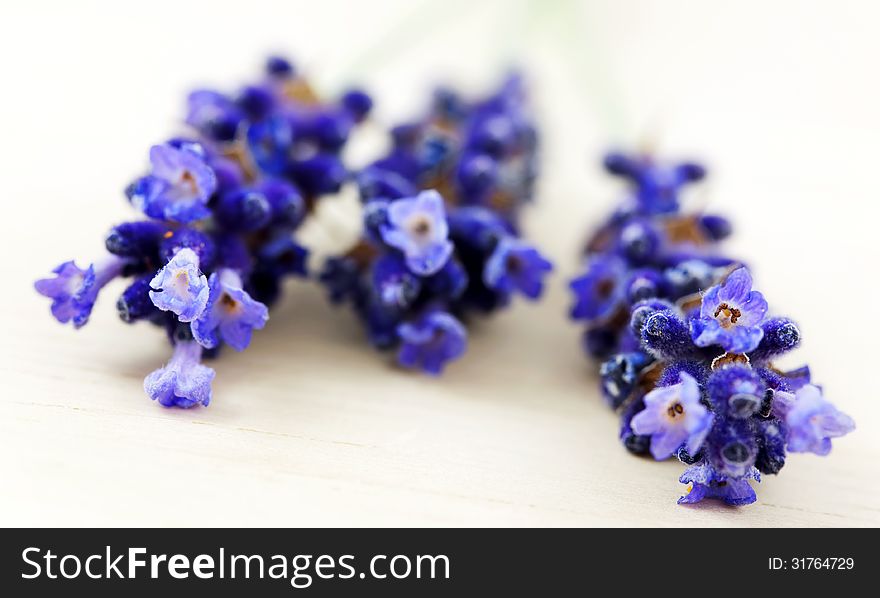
(741, 340)
(711, 301)
(666, 441)
(430, 342)
(737, 286)
(754, 309)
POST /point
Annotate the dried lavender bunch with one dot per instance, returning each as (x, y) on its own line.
(441, 234)
(223, 204)
(686, 345)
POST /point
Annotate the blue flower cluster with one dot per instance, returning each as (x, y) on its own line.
(686, 345)
(223, 204)
(441, 236)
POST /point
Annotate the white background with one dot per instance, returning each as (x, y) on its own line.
(309, 426)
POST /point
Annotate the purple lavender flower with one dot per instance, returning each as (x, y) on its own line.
(598, 291)
(674, 416)
(691, 275)
(418, 228)
(704, 482)
(217, 207)
(657, 186)
(179, 186)
(394, 284)
(418, 255)
(431, 341)
(180, 287)
(516, 265)
(811, 420)
(730, 315)
(717, 348)
(230, 315)
(213, 114)
(270, 142)
(184, 381)
(74, 290)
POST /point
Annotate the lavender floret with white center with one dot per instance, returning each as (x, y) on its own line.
(417, 227)
(180, 287)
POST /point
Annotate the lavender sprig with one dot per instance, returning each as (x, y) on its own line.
(686, 345)
(223, 204)
(441, 234)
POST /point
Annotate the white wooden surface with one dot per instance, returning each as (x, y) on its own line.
(308, 426)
